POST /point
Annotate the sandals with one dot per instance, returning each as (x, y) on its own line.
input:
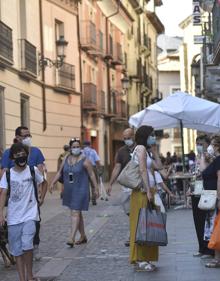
(82, 241)
(70, 243)
(145, 267)
(213, 264)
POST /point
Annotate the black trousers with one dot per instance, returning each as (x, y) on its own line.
(199, 217)
(37, 234)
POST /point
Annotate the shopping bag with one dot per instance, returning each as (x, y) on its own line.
(151, 228)
(214, 242)
(130, 176)
(103, 194)
(209, 225)
(207, 200)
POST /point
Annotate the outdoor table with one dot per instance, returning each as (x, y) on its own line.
(184, 177)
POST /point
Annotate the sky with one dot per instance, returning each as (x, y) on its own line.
(172, 12)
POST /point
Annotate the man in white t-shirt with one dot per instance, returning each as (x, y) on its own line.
(23, 208)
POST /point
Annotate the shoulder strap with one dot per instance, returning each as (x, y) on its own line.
(32, 171)
(8, 181)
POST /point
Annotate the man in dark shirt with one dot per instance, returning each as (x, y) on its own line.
(123, 156)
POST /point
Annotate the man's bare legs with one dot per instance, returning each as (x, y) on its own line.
(24, 265)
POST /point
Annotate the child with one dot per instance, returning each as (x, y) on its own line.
(22, 210)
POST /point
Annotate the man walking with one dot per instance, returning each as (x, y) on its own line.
(35, 158)
(122, 157)
(94, 158)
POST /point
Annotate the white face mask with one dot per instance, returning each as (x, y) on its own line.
(27, 141)
(76, 151)
(210, 150)
(129, 142)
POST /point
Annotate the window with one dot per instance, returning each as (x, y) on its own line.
(2, 119)
(25, 112)
(59, 30)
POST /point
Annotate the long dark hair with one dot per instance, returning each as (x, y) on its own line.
(142, 135)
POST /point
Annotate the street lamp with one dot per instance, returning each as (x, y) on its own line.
(61, 44)
(195, 68)
(125, 83)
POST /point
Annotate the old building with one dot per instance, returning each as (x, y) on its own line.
(39, 82)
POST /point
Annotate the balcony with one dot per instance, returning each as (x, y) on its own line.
(90, 97)
(28, 59)
(65, 78)
(117, 55)
(6, 45)
(113, 105)
(146, 45)
(123, 109)
(88, 36)
(102, 107)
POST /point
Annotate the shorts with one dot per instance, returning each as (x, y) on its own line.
(20, 237)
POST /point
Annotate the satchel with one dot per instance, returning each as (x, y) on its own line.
(151, 228)
(198, 188)
(208, 200)
(130, 176)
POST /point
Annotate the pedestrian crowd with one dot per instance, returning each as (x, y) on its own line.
(23, 187)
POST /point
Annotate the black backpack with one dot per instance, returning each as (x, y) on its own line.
(32, 171)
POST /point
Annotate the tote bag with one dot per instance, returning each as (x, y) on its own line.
(130, 176)
(151, 228)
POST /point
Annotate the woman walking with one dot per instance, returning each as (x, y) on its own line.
(75, 171)
(211, 180)
(143, 255)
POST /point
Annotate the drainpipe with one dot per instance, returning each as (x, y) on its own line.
(42, 67)
(80, 73)
(108, 80)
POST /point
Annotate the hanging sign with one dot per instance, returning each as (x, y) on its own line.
(196, 15)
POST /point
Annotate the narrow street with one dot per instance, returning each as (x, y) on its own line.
(105, 258)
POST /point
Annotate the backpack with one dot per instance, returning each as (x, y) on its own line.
(32, 171)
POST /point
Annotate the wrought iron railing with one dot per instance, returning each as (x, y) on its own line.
(89, 96)
(66, 76)
(6, 44)
(28, 57)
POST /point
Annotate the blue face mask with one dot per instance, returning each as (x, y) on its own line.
(151, 140)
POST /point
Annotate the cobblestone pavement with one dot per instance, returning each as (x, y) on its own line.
(104, 257)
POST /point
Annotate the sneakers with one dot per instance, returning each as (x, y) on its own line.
(36, 253)
(197, 255)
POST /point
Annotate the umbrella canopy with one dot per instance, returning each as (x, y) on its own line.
(179, 109)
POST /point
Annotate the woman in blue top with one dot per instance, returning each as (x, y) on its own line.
(75, 171)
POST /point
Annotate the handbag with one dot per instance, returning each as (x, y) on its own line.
(198, 187)
(214, 242)
(130, 176)
(208, 200)
(151, 228)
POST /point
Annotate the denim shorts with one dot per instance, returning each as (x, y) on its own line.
(20, 237)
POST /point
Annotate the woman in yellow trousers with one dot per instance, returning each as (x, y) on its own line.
(142, 255)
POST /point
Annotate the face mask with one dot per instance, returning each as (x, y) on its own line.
(27, 141)
(199, 149)
(210, 150)
(21, 161)
(129, 142)
(151, 140)
(76, 151)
